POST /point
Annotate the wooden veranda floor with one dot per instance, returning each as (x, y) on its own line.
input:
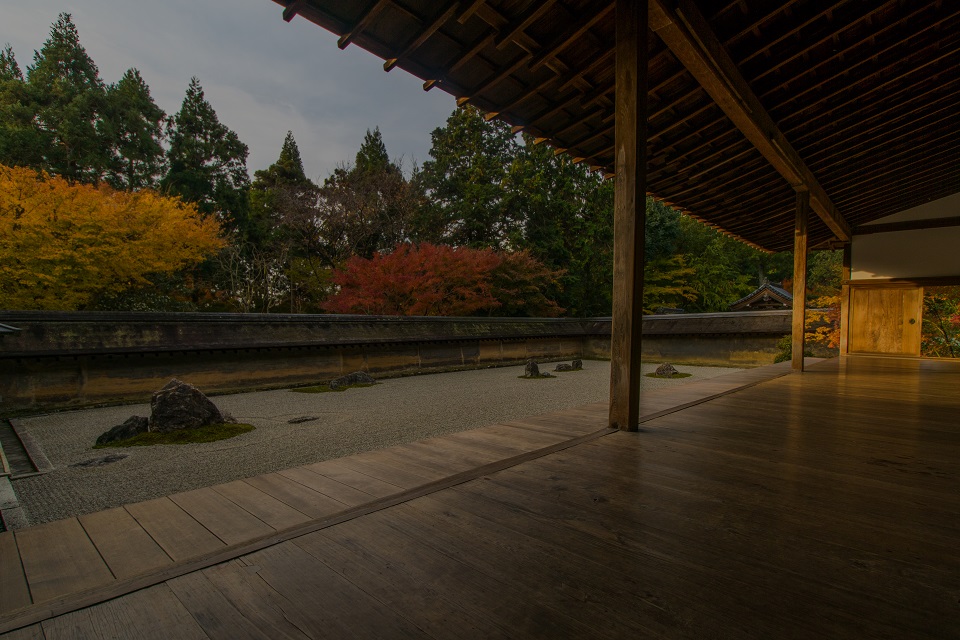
(756, 505)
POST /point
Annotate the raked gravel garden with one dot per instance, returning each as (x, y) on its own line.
(395, 411)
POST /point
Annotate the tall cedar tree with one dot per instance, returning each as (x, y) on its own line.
(135, 126)
(272, 189)
(19, 140)
(463, 182)
(207, 162)
(67, 97)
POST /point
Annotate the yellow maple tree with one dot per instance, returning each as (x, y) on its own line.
(63, 244)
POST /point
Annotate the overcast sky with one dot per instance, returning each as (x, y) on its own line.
(262, 75)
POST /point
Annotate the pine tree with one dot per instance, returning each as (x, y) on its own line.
(372, 156)
(273, 189)
(135, 125)
(9, 69)
(20, 143)
(68, 96)
(207, 162)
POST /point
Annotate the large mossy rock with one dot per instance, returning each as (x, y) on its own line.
(351, 379)
(666, 370)
(134, 426)
(179, 405)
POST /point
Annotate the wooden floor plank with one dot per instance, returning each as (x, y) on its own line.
(378, 542)
(275, 513)
(662, 483)
(220, 516)
(14, 592)
(246, 592)
(150, 614)
(214, 613)
(33, 632)
(388, 470)
(466, 455)
(176, 531)
(336, 470)
(528, 564)
(322, 602)
(327, 486)
(124, 545)
(698, 557)
(430, 609)
(533, 439)
(59, 558)
(296, 495)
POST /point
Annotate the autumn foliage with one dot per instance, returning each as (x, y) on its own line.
(63, 244)
(439, 280)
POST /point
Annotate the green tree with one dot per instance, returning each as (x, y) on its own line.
(272, 189)
(19, 140)
(366, 208)
(67, 97)
(725, 269)
(135, 126)
(9, 69)
(562, 214)
(463, 182)
(207, 162)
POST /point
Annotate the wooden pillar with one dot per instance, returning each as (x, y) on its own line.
(629, 212)
(800, 277)
(845, 298)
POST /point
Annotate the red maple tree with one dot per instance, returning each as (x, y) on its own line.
(439, 280)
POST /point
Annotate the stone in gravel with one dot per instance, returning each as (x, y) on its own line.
(135, 425)
(357, 377)
(302, 419)
(666, 369)
(99, 462)
(531, 370)
(181, 406)
(576, 365)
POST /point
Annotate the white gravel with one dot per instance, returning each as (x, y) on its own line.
(395, 411)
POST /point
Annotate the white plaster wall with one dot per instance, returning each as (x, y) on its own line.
(942, 208)
(910, 254)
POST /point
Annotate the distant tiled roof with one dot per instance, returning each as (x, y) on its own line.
(766, 293)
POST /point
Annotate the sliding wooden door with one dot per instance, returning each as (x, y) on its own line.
(885, 320)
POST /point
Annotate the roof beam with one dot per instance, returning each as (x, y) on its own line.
(689, 36)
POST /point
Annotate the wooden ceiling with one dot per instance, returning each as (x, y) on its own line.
(857, 100)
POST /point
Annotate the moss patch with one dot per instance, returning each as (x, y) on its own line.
(673, 377)
(209, 433)
(322, 388)
(542, 376)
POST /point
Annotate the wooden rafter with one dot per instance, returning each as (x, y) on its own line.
(365, 19)
(687, 34)
(512, 32)
(423, 36)
(581, 25)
